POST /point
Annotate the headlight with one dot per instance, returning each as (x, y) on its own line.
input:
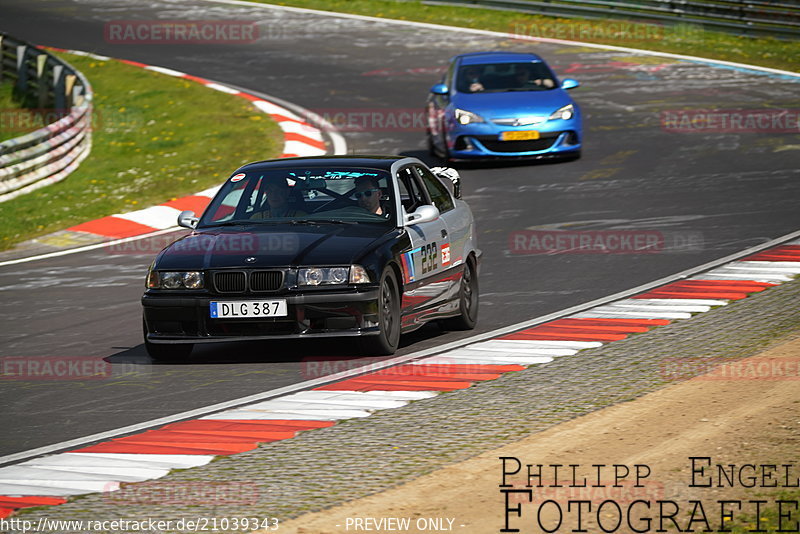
(171, 280)
(175, 280)
(193, 280)
(465, 117)
(316, 276)
(564, 113)
(325, 276)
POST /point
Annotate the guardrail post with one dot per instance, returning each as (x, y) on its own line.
(41, 83)
(59, 88)
(22, 70)
(69, 90)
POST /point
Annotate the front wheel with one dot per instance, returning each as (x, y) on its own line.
(467, 301)
(387, 340)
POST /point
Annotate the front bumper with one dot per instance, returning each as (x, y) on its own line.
(481, 140)
(186, 319)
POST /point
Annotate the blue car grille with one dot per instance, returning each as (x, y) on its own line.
(492, 143)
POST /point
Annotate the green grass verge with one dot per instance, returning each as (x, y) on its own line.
(768, 520)
(155, 138)
(15, 120)
(689, 40)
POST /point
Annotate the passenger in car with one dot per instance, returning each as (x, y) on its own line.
(278, 193)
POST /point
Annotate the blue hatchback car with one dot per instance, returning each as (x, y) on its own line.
(502, 104)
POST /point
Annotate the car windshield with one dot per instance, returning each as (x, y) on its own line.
(303, 196)
(504, 77)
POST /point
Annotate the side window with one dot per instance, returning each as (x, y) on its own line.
(436, 189)
(411, 197)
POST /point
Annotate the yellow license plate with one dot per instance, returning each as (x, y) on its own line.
(524, 135)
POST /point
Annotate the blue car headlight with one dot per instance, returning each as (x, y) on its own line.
(565, 113)
(465, 117)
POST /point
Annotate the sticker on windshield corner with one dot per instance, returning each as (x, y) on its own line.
(445, 254)
(238, 177)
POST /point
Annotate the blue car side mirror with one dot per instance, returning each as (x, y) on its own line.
(569, 83)
(440, 89)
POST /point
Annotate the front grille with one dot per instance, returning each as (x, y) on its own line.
(492, 143)
(229, 282)
(266, 280)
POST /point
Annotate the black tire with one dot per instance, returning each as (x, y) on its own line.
(166, 352)
(385, 343)
(468, 301)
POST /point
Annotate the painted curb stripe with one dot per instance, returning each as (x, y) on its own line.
(112, 227)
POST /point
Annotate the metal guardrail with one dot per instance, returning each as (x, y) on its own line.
(744, 17)
(52, 152)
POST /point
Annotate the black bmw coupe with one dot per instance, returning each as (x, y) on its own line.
(369, 247)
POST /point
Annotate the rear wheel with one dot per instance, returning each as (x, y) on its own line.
(387, 340)
(468, 301)
(166, 352)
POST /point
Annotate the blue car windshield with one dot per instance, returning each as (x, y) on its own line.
(504, 77)
(303, 195)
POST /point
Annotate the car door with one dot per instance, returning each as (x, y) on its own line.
(457, 225)
(421, 263)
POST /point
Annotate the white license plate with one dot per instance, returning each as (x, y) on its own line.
(245, 309)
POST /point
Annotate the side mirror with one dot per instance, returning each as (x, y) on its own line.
(450, 177)
(188, 219)
(569, 83)
(440, 89)
(422, 214)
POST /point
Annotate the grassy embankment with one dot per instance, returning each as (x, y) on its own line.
(689, 40)
(155, 138)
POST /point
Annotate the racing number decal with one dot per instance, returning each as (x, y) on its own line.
(425, 259)
(430, 256)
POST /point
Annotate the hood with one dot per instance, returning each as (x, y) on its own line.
(512, 103)
(272, 246)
